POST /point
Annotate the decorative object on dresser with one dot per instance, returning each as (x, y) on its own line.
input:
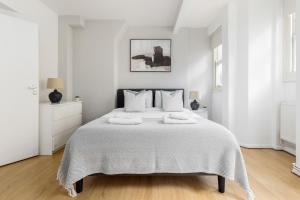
(57, 124)
(55, 83)
(77, 98)
(194, 95)
(202, 112)
(150, 55)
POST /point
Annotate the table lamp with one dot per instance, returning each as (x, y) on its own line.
(194, 95)
(55, 83)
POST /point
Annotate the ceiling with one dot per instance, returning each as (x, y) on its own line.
(200, 13)
(192, 13)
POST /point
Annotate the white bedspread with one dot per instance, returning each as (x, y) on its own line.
(168, 120)
(151, 147)
(125, 121)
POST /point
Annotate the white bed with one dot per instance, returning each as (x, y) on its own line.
(149, 145)
(152, 147)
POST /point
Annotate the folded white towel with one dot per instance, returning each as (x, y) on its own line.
(168, 120)
(126, 116)
(179, 116)
(125, 121)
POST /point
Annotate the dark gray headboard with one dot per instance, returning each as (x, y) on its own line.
(120, 95)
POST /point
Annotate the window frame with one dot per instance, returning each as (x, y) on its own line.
(217, 62)
(290, 39)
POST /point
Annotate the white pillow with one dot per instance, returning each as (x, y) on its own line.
(134, 101)
(172, 101)
(149, 98)
(158, 98)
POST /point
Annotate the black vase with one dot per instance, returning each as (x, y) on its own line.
(195, 105)
(55, 96)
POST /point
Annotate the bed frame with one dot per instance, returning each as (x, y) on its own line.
(120, 104)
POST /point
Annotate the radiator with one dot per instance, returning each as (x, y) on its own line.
(288, 122)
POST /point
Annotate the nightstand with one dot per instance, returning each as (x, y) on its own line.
(202, 112)
(57, 123)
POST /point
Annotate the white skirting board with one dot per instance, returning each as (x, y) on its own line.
(259, 146)
(278, 148)
(296, 170)
(289, 150)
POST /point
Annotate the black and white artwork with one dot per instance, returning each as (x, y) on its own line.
(147, 55)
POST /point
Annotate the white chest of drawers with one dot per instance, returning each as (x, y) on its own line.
(57, 123)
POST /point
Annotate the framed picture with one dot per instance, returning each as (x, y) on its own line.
(150, 55)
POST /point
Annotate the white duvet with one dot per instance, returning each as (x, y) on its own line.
(151, 147)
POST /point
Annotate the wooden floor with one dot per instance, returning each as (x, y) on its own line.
(269, 173)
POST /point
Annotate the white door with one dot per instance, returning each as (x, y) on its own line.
(18, 89)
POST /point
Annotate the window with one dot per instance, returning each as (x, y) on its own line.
(217, 58)
(216, 47)
(292, 42)
(289, 67)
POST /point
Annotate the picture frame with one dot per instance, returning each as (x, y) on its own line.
(150, 55)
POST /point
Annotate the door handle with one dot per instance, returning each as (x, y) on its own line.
(33, 88)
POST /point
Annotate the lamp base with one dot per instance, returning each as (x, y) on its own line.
(195, 105)
(55, 96)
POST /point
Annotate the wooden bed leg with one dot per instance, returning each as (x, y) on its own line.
(221, 184)
(79, 186)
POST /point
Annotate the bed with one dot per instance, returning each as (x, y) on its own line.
(151, 148)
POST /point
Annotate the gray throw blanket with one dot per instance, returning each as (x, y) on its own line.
(152, 147)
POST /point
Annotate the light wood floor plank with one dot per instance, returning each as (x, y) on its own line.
(269, 173)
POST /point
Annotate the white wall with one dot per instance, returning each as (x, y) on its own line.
(101, 63)
(252, 76)
(65, 51)
(297, 168)
(238, 69)
(48, 33)
(191, 62)
(217, 107)
(94, 67)
(265, 71)
(200, 70)
(289, 91)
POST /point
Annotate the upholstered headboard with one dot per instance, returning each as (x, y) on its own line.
(120, 95)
